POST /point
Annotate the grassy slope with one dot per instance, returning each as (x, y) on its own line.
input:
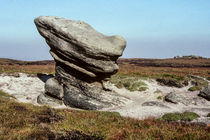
(25, 121)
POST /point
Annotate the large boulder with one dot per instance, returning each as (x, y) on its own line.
(85, 59)
(205, 93)
(185, 99)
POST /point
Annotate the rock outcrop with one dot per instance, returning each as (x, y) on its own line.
(85, 60)
(205, 93)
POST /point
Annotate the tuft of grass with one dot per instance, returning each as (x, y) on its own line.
(198, 84)
(160, 97)
(143, 88)
(129, 82)
(173, 76)
(185, 116)
(189, 116)
(195, 88)
(172, 80)
(5, 95)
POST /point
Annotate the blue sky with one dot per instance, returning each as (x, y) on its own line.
(152, 28)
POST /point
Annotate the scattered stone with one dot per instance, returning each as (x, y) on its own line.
(154, 103)
(28, 98)
(205, 93)
(158, 91)
(202, 120)
(15, 74)
(107, 86)
(84, 59)
(199, 101)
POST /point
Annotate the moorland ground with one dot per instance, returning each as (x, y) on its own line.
(142, 67)
(26, 121)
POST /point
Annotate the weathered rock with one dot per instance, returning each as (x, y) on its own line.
(53, 88)
(77, 45)
(84, 59)
(47, 100)
(154, 103)
(205, 93)
(176, 98)
(172, 82)
(185, 99)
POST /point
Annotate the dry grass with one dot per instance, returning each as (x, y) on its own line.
(157, 71)
(144, 67)
(25, 121)
(31, 69)
(166, 62)
(124, 69)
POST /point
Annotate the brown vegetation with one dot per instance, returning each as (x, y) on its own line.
(181, 62)
(31, 69)
(47, 123)
(25, 121)
(143, 67)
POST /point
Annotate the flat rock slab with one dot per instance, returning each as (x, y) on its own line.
(185, 99)
(154, 103)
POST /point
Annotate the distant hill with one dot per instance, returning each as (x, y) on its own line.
(180, 62)
(171, 62)
(6, 61)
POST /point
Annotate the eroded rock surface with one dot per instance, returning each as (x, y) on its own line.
(205, 93)
(154, 103)
(184, 99)
(85, 59)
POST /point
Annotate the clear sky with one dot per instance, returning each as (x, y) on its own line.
(152, 28)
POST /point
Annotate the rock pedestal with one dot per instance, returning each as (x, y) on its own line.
(85, 60)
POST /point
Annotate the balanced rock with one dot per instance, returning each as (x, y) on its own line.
(85, 60)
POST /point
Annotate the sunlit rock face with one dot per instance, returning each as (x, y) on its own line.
(85, 60)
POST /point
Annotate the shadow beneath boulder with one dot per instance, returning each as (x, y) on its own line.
(44, 77)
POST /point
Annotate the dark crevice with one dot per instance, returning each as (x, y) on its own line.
(80, 75)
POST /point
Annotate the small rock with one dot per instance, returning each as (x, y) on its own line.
(53, 88)
(205, 93)
(107, 86)
(154, 103)
(28, 98)
(47, 100)
(202, 120)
